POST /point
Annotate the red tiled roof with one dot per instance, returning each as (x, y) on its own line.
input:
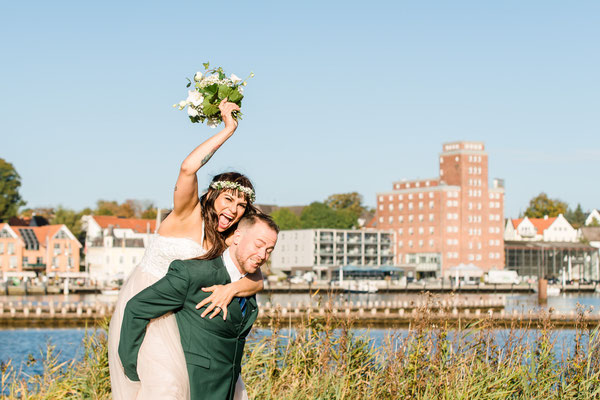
(137, 225)
(541, 224)
(41, 232)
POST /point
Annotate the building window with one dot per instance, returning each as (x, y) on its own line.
(401, 206)
(400, 244)
(56, 248)
(421, 230)
(390, 220)
(400, 197)
(1, 248)
(401, 218)
(381, 207)
(430, 217)
(400, 231)
(410, 218)
(390, 198)
(381, 220)
(11, 248)
(13, 262)
(420, 217)
(420, 195)
(420, 205)
(420, 243)
(431, 230)
(431, 243)
(410, 206)
(410, 243)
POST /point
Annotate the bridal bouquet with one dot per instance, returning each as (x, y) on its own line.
(210, 88)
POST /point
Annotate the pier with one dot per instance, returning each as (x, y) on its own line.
(369, 313)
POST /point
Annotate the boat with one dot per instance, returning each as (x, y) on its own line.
(553, 291)
(361, 287)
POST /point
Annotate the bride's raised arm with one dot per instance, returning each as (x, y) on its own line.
(185, 197)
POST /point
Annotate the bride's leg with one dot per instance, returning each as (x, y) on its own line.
(240, 390)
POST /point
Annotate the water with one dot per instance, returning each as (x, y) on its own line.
(18, 344)
(22, 346)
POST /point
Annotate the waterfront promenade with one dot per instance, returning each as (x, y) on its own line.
(282, 288)
(367, 313)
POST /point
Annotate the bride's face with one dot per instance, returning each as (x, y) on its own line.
(229, 208)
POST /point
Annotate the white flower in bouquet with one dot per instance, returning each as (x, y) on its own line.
(212, 122)
(210, 88)
(192, 112)
(194, 98)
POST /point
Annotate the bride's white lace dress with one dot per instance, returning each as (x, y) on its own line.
(161, 363)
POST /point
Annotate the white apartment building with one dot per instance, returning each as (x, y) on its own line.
(114, 246)
(321, 249)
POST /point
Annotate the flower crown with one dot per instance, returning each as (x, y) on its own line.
(220, 185)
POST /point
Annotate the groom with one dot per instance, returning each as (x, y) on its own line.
(214, 347)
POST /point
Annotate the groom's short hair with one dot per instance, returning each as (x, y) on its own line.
(249, 220)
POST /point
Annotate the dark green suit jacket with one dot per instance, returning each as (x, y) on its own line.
(213, 348)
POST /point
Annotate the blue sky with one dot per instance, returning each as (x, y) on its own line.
(348, 96)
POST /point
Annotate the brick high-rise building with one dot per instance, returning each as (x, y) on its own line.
(451, 220)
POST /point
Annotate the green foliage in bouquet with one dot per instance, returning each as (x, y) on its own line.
(209, 89)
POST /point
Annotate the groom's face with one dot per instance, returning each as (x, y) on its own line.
(254, 245)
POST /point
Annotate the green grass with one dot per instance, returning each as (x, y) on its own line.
(325, 359)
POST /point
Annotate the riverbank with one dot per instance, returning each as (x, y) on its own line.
(326, 358)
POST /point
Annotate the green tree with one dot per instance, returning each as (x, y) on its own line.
(347, 201)
(594, 222)
(542, 205)
(320, 215)
(150, 212)
(125, 210)
(286, 219)
(70, 218)
(576, 217)
(10, 182)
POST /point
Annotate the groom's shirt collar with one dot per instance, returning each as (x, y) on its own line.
(234, 272)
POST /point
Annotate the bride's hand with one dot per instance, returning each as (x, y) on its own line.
(219, 299)
(226, 109)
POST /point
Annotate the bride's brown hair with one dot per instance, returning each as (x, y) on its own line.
(210, 217)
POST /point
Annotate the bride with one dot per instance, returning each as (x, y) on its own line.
(196, 227)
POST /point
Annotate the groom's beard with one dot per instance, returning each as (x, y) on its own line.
(248, 265)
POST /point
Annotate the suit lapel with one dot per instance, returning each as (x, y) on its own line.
(251, 313)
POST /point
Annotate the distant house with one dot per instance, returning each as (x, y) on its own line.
(556, 229)
(594, 216)
(114, 245)
(49, 249)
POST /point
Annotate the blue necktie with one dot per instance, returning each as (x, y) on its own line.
(242, 301)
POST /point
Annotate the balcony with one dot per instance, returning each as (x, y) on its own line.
(327, 238)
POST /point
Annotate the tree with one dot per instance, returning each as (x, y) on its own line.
(286, 219)
(70, 218)
(125, 210)
(576, 217)
(320, 215)
(150, 212)
(347, 201)
(10, 182)
(542, 205)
